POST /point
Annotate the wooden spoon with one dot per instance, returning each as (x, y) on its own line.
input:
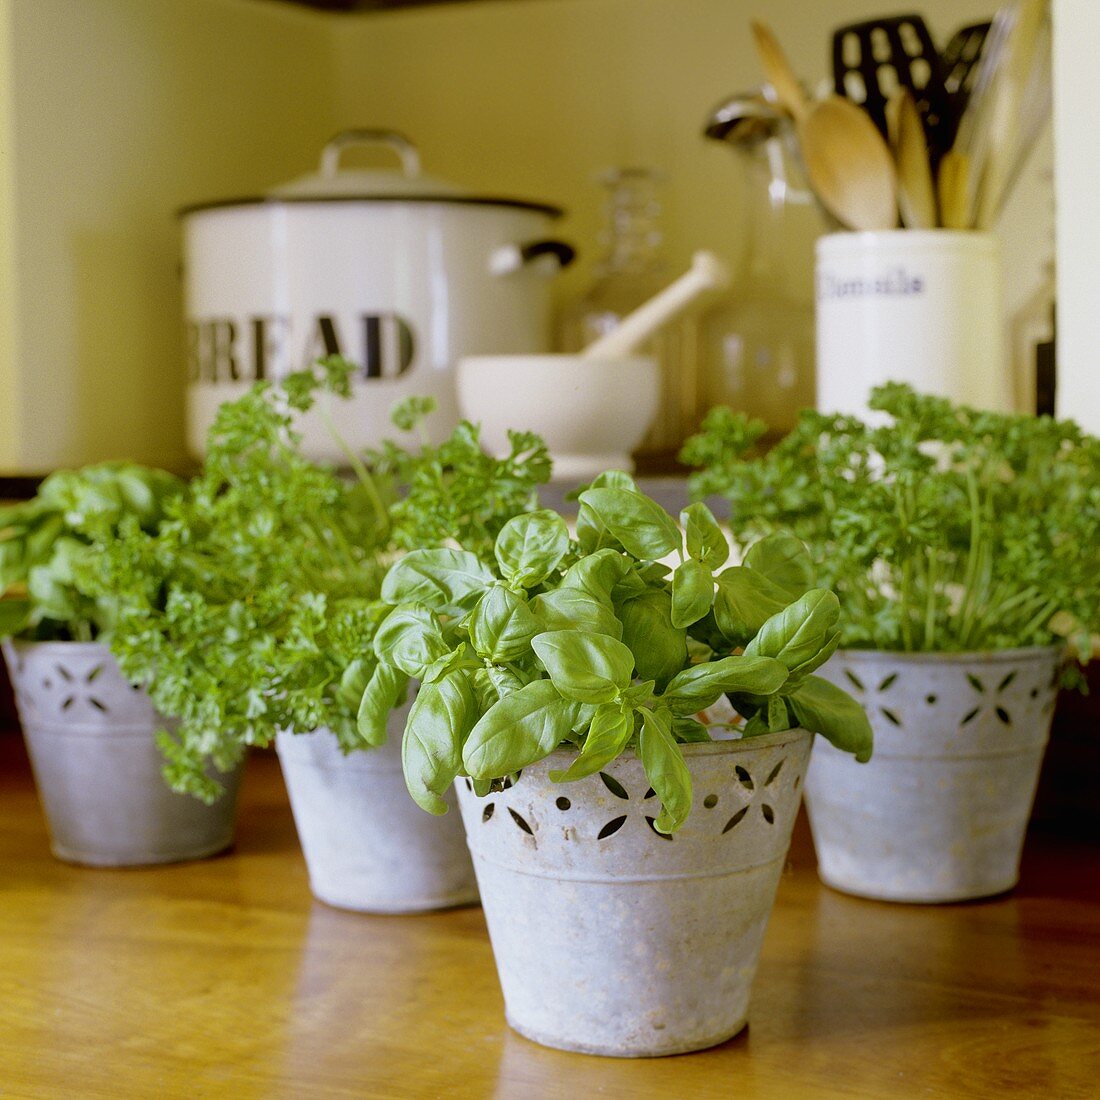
(916, 191)
(778, 70)
(848, 163)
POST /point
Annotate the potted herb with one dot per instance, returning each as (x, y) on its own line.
(965, 547)
(90, 734)
(252, 609)
(627, 861)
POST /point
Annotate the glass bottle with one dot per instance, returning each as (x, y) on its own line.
(758, 340)
(630, 272)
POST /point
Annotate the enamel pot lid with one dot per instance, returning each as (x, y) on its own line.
(332, 183)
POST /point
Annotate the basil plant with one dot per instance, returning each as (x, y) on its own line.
(594, 645)
(51, 543)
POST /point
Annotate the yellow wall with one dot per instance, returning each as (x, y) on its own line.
(114, 113)
(537, 97)
(9, 312)
(123, 111)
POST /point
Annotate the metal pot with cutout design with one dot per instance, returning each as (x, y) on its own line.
(940, 811)
(91, 737)
(611, 938)
(398, 272)
(367, 845)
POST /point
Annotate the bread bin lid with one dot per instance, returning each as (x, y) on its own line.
(330, 180)
(331, 183)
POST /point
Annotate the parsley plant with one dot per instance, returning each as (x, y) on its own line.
(252, 608)
(946, 529)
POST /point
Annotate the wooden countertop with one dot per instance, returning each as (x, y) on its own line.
(225, 979)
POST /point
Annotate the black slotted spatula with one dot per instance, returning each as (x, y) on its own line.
(871, 60)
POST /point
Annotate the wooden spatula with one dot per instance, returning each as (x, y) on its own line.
(916, 191)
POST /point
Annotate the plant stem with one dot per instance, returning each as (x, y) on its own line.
(361, 472)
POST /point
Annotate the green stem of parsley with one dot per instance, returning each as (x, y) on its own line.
(360, 471)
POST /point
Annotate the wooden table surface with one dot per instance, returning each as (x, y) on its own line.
(225, 979)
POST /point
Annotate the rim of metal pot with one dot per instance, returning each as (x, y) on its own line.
(460, 200)
(55, 643)
(948, 656)
(707, 748)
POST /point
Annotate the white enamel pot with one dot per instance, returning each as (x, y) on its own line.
(613, 939)
(367, 845)
(398, 272)
(940, 811)
(91, 738)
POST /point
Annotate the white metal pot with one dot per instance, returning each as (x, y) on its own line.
(368, 846)
(91, 737)
(400, 273)
(612, 939)
(940, 811)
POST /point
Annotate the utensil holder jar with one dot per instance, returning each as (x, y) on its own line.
(915, 306)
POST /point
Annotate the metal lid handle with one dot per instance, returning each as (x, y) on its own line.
(410, 156)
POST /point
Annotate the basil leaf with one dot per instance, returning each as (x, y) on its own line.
(501, 625)
(431, 752)
(638, 695)
(744, 602)
(613, 479)
(692, 593)
(659, 648)
(608, 735)
(665, 769)
(643, 527)
(597, 574)
(632, 584)
(14, 616)
(689, 731)
(652, 572)
(803, 636)
(385, 690)
(531, 546)
(706, 542)
(505, 681)
(411, 639)
(492, 683)
(700, 686)
(821, 707)
(756, 725)
(783, 560)
(778, 717)
(585, 667)
(592, 535)
(526, 726)
(575, 609)
(485, 691)
(442, 580)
